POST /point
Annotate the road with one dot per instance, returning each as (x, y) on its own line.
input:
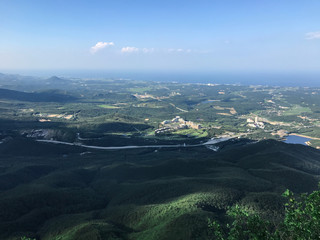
(210, 142)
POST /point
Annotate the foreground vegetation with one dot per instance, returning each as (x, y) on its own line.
(62, 192)
(301, 221)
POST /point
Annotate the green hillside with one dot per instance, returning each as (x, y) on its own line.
(48, 96)
(59, 193)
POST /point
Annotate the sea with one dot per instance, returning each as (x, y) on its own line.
(290, 79)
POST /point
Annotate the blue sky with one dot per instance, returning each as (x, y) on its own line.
(202, 35)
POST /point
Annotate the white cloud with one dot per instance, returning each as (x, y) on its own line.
(100, 45)
(313, 35)
(129, 49)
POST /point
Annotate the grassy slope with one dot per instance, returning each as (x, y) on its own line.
(143, 194)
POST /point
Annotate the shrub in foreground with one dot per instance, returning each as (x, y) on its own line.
(301, 221)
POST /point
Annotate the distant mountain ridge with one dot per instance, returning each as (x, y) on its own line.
(47, 96)
(31, 84)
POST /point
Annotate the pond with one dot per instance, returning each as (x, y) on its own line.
(294, 139)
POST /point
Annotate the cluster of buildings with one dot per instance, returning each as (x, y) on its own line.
(175, 124)
(182, 123)
(255, 123)
(163, 130)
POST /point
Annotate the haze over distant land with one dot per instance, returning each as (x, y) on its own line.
(300, 79)
(125, 38)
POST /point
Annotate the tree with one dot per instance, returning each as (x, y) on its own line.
(26, 238)
(301, 222)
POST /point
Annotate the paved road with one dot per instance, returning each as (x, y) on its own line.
(210, 142)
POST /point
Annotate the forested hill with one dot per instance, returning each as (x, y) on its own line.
(67, 192)
(46, 96)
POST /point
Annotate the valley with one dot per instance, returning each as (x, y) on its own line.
(142, 110)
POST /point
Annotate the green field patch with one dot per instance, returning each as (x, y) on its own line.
(296, 110)
(192, 133)
(140, 90)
